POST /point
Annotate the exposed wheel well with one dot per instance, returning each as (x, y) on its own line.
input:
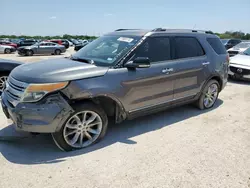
(111, 107)
(4, 73)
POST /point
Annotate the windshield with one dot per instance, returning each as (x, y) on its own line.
(247, 52)
(243, 45)
(224, 41)
(107, 50)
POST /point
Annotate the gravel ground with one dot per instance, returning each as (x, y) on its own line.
(181, 147)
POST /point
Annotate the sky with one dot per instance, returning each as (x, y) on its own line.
(96, 17)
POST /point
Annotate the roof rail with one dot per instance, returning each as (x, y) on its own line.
(184, 30)
(159, 29)
(125, 29)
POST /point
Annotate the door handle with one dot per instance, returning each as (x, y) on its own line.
(167, 70)
(206, 63)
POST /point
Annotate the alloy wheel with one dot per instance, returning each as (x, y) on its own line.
(7, 51)
(211, 95)
(82, 129)
(3, 80)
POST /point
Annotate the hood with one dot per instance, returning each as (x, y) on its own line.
(56, 70)
(241, 60)
(26, 47)
(6, 46)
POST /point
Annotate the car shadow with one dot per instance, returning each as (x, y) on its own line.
(241, 82)
(42, 150)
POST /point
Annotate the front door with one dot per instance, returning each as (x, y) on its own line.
(44, 48)
(144, 88)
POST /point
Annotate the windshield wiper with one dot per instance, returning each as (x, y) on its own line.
(89, 61)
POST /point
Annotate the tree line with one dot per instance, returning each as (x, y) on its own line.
(234, 34)
(66, 36)
(226, 35)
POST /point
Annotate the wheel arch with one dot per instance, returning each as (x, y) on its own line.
(214, 77)
(110, 104)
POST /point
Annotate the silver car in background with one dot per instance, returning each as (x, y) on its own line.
(4, 49)
(42, 48)
(239, 48)
(239, 66)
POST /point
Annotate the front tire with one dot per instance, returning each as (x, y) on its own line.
(3, 79)
(85, 127)
(29, 53)
(209, 95)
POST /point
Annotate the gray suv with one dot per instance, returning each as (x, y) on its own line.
(121, 75)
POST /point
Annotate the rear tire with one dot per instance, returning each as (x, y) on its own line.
(209, 95)
(7, 51)
(58, 52)
(78, 131)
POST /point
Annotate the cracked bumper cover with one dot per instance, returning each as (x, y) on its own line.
(45, 116)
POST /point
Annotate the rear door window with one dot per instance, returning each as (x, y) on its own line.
(216, 44)
(186, 47)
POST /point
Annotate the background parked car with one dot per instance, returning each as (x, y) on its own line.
(241, 47)
(6, 49)
(239, 66)
(229, 43)
(27, 42)
(8, 44)
(74, 41)
(70, 43)
(63, 42)
(42, 48)
(80, 45)
(6, 66)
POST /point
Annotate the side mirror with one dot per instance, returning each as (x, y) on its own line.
(139, 62)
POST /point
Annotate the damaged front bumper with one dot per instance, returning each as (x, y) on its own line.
(45, 116)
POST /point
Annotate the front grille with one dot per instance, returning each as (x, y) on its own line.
(240, 71)
(15, 90)
(233, 53)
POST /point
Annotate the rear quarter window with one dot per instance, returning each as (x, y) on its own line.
(216, 44)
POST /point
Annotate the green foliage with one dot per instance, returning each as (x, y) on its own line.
(226, 35)
(234, 34)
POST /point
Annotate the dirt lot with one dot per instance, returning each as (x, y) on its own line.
(182, 147)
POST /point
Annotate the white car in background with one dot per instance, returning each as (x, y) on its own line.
(70, 43)
(241, 47)
(4, 49)
(239, 66)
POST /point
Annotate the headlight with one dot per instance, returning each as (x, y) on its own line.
(35, 92)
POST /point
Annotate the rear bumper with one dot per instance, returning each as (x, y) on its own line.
(45, 116)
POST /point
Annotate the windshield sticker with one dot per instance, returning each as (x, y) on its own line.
(125, 39)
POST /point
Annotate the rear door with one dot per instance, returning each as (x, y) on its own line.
(192, 67)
